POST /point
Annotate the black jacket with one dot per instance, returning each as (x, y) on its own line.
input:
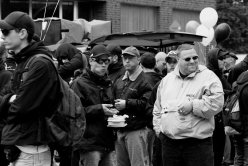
(153, 78)
(94, 91)
(68, 51)
(243, 96)
(136, 93)
(37, 96)
(212, 64)
(115, 71)
(237, 70)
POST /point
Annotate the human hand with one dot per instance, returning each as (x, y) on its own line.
(185, 108)
(120, 104)
(108, 111)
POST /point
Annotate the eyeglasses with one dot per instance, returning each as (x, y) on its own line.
(188, 59)
(5, 32)
(101, 61)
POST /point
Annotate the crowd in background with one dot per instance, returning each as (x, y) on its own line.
(174, 105)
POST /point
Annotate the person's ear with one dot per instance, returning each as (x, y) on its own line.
(23, 33)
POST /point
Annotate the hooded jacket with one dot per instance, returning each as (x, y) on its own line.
(75, 57)
(94, 91)
(4, 76)
(205, 91)
(115, 71)
(153, 78)
(212, 64)
(36, 96)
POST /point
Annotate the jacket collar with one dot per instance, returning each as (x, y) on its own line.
(192, 75)
(133, 76)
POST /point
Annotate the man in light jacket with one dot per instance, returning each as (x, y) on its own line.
(183, 114)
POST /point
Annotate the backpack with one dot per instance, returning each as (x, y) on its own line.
(231, 113)
(67, 124)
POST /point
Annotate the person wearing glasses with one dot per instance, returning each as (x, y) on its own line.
(183, 114)
(32, 97)
(132, 92)
(95, 91)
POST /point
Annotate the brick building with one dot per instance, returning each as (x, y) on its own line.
(125, 15)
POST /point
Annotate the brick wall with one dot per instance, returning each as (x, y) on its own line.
(165, 8)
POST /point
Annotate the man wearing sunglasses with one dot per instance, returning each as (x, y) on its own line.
(95, 91)
(183, 114)
(34, 95)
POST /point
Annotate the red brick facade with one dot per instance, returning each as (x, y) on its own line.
(165, 8)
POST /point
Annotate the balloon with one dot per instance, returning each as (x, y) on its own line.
(207, 33)
(191, 26)
(222, 32)
(206, 41)
(208, 17)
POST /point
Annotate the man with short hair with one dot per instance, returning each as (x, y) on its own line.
(131, 93)
(116, 68)
(95, 91)
(229, 61)
(183, 114)
(34, 96)
(160, 63)
(148, 63)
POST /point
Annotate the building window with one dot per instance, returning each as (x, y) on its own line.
(92, 10)
(67, 10)
(136, 18)
(183, 16)
(38, 9)
(9, 6)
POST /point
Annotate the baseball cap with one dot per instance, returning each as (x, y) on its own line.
(231, 54)
(114, 49)
(18, 20)
(171, 57)
(131, 51)
(99, 51)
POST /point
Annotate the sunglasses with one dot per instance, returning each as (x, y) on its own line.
(101, 61)
(188, 59)
(5, 32)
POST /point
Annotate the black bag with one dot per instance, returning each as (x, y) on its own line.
(67, 124)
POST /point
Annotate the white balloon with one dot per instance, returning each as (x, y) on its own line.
(206, 41)
(209, 17)
(207, 33)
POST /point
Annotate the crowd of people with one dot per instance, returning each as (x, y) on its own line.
(172, 103)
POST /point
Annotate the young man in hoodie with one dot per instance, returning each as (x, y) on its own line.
(183, 114)
(132, 92)
(95, 91)
(24, 136)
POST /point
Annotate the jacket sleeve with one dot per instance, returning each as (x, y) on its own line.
(91, 110)
(33, 91)
(139, 105)
(157, 110)
(212, 100)
(67, 70)
(244, 110)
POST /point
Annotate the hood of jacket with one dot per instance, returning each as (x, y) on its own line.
(212, 61)
(115, 67)
(66, 51)
(32, 49)
(99, 80)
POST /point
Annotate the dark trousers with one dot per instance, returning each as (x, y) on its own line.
(218, 143)
(187, 152)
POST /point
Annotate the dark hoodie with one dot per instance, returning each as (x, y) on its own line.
(212, 64)
(4, 76)
(68, 51)
(94, 91)
(115, 71)
(37, 96)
